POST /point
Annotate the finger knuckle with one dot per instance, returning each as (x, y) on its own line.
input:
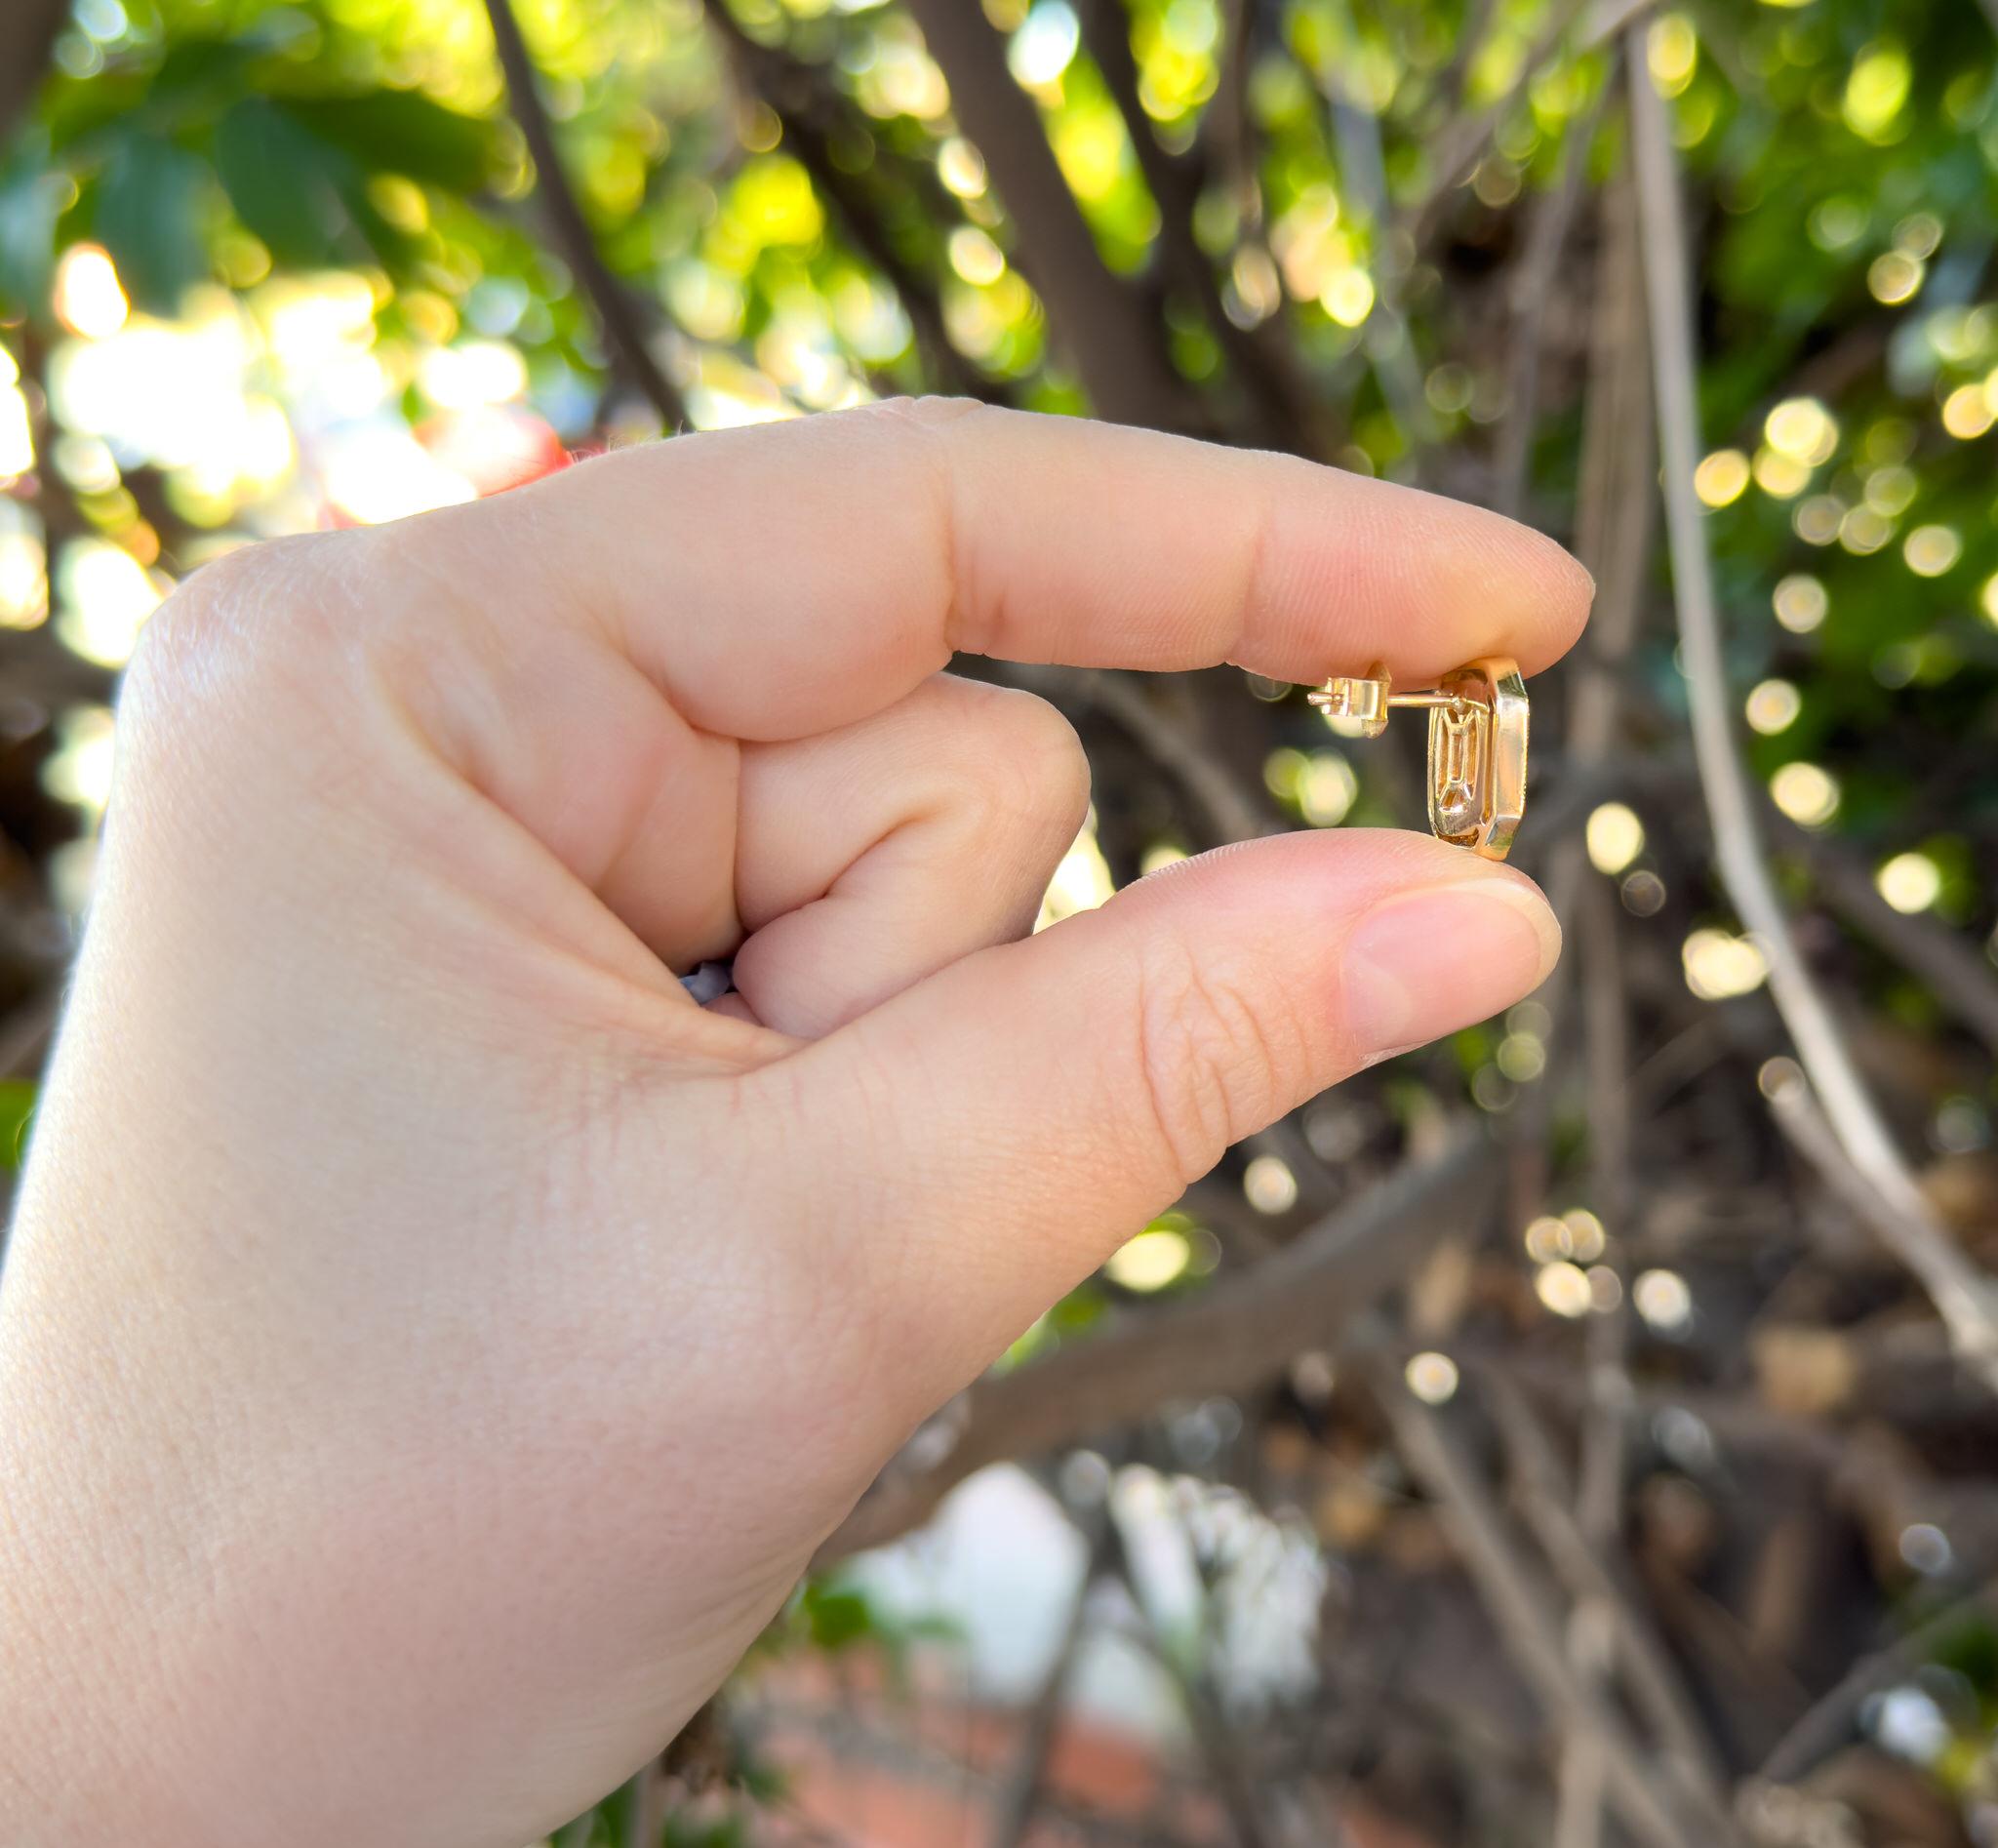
(930, 411)
(1212, 1062)
(1017, 771)
(255, 618)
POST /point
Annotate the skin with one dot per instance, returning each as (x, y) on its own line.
(431, 1345)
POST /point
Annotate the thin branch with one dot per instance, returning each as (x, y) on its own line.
(1232, 1338)
(1956, 973)
(1546, 1499)
(1113, 341)
(1261, 358)
(1799, 1113)
(1463, 146)
(1830, 1721)
(805, 103)
(26, 1033)
(1615, 524)
(1962, 1295)
(1228, 806)
(1599, 1633)
(1384, 338)
(1019, 1795)
(35, 663)
(1228, 130)
(1233, 1783)
(1472, 37)
(1614, 535)
(623, 336)
(28, 31)
(1533, 289)
(1233, 1787)
(1523, 1609)
(1613, 538)
(645, 1812)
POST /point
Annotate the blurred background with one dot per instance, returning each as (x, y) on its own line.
(1579, 1433)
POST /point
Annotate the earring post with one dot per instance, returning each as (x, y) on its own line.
(1456, 700)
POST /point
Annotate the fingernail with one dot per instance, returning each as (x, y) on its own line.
(1424, 963)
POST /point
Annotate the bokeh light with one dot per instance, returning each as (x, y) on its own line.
(1720, 966)
(1772, 707)
(1269, 1185)
(1721, 478)
(1149, 1262)
(1663, 1300)
(1909, 882)
(1563, 1287)
(1614, 836)
(1432, 1377)
(88, 299)
(1800, 603)
(1808, 793)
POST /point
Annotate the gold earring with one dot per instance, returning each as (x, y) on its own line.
(1477, 744)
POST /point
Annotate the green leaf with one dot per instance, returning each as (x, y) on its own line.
(401, 132)
(395, 248)
(31, 200)
(148, 217)
(197, 69)
(836, 1617)
(16, 1111)
(286, 184)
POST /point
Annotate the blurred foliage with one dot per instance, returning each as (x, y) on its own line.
(265, 266)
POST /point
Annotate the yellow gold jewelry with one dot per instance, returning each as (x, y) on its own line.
(1477, 744)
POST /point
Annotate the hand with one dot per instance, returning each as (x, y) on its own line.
(431, 1343)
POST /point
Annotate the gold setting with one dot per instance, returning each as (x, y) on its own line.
(1477, 744)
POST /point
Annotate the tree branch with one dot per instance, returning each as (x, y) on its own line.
(624, 337)
(28, 31)
(1532, 288)
(1613, 538)
(1234, 1337)
(1577, 1555)
(1956, 973)
(1830, 1720)
(1521, 1607)
(1279, 399)
(1018, 1794)
(35, 663)
(1173, 742)
(1228, 132)
(1113, 342)
(802, 102)
(1464, 143)
(1909, 1227)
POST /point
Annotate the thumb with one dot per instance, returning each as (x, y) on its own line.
(1028, 1108)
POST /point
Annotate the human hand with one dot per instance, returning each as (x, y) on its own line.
(431, 1345)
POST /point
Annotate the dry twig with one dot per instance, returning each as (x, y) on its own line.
(1829, 1720)
(1018, 1794)
(1110, 334)
(616, 313)
(1963, 1295)
(811, 114)
(1522, 1608)
(1547, 1502)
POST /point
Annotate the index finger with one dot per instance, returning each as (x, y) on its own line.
(778, 581)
